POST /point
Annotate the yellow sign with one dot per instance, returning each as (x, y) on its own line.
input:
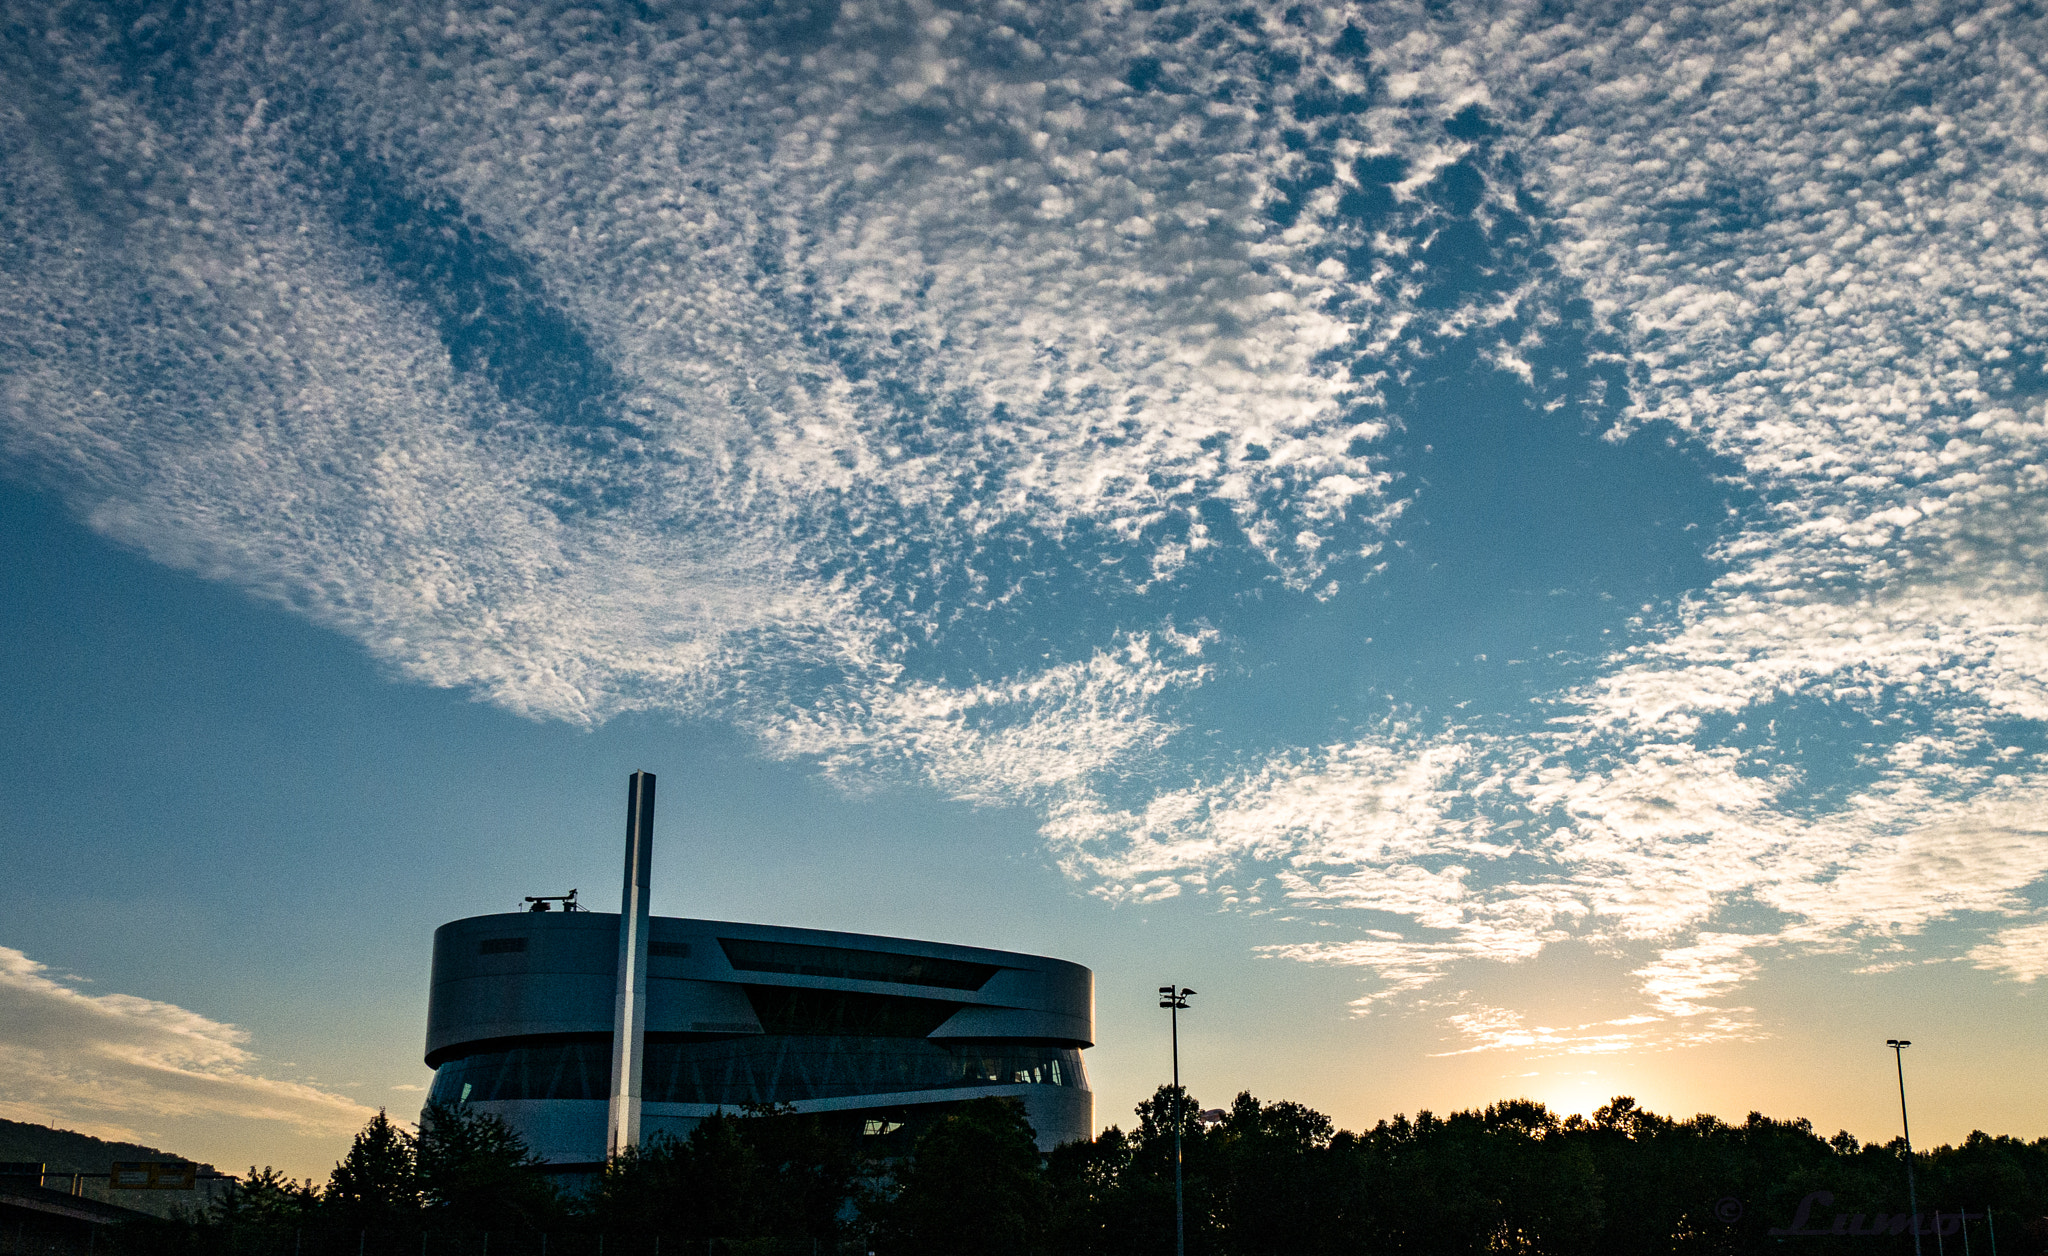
(153, 1175)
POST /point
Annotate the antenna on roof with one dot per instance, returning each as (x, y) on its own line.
(568, 901)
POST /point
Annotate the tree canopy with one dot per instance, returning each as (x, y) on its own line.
(1266, 1179)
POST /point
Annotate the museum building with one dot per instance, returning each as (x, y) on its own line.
(592, 1031)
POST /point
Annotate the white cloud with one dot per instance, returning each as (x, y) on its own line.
(1402, 967)
(2020, 953)
(1031, 739)
(897, 311)
(1816, 238)
(856, 357)
(107, 1063)
(1813, 236)
(1501, 1029)
(1681, 979)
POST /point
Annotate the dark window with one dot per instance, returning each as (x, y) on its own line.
(669, 950)
(797, 1010)
(753, 1069)
(836, 961)
(500, 946)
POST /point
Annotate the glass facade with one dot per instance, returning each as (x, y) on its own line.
(767, 1068)
(796, 958)
(802, 1010)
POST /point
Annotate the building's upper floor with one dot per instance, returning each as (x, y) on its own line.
(534, 974)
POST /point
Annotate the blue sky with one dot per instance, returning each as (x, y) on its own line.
(1504, 540)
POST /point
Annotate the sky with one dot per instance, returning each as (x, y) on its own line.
(1503, 544)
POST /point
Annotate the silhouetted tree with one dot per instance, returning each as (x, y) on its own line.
(1091, 1185)
(764, 1173)
(376, 1185)
(475, 1173)
(973, 1187)
(636, 1192)
(267, 1200)
(718, 1181)
(807, 1173)
(1267, 1179)
(1273, 1178)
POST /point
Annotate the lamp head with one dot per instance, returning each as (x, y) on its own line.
(1896, 1043)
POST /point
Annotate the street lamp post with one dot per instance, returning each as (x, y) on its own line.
(1175, 1001)
(1898, 1046)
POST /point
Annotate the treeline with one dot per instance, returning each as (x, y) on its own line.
(67, 1151)
(1514, 1178)
(1266, 1179)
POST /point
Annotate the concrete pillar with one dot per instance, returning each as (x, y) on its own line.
(629, 1022)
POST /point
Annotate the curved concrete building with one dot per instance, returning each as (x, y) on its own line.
(880, 1034)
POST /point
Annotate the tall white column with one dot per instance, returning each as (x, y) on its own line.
(629, 1022)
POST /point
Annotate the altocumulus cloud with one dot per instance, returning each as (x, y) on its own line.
(923, 388)
(115, 1062)
(1816, 231)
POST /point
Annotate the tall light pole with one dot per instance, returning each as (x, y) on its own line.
(1175, 1001)
(1898, 1046)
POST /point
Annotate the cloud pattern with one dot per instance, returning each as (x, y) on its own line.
(970, 396)
(117, 1062)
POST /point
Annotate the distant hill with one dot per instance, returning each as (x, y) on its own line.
(68, 1152)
